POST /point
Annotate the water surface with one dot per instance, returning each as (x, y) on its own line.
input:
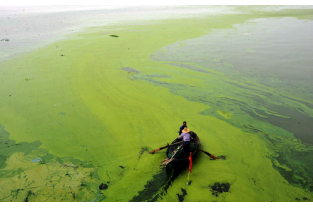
(93, 104)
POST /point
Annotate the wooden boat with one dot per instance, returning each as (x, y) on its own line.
(175, 153)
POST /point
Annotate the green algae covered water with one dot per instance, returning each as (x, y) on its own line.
(79, 116)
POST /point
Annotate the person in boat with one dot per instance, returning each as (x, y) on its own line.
(186, 137)
(182, 127)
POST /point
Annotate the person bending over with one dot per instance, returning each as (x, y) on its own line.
(185, 136)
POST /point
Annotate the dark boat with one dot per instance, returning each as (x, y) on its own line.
(175, 154)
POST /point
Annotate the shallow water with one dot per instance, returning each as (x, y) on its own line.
(91, 107)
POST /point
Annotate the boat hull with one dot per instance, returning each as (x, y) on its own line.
(195, 143)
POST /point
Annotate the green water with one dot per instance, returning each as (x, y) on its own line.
(250, 97)
(92, 106)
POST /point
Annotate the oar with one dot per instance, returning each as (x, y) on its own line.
(205, 152)
(153, 151)
(188, 181)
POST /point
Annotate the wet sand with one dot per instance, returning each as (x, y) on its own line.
(88, 109)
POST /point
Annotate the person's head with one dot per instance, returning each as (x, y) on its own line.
(184, 123)
(185, 130)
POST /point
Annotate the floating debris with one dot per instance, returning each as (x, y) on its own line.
(220, 188)
(115, 36)
(5, 39)
(103, 186)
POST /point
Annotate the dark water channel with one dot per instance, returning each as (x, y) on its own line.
(158, 185)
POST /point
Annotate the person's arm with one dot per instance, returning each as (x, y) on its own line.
(180, 130)
(180, 136)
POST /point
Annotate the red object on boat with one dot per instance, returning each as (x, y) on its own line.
(190, 162)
